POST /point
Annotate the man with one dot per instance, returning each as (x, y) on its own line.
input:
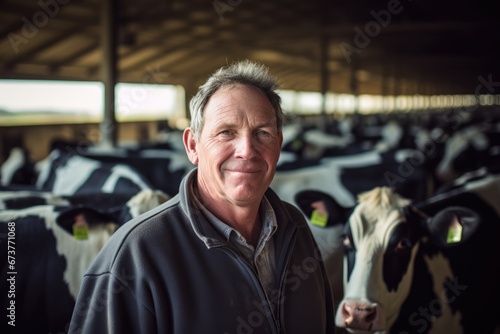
(225, 255)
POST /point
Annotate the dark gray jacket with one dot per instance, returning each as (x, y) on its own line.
(158, 274)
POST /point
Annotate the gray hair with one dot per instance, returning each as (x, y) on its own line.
(242, 72)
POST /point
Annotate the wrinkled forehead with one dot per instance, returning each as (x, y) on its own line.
(374, 223)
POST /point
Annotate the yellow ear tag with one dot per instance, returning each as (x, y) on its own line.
(80, 228)
(454, 233)
(318, 218)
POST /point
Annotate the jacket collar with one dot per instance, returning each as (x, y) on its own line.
(204, 230)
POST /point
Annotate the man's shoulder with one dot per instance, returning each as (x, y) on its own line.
(137, 234)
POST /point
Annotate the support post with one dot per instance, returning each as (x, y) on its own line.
(109, 33)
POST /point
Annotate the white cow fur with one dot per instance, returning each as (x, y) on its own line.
(146, 200)
(72, 175)
(324, 176)
(49, 198)
(366, 279)
(440, 269)
(370, 240)
(288, 183)
(332, 251)
(11, 165)
(118, 172)
(79, 254)
(456, 144)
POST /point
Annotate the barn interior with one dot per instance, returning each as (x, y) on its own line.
(385, 48)
(430, 70)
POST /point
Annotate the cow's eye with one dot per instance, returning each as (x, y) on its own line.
(402, 245)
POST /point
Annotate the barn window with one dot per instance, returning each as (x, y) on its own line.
(50, 102)
(30, 102)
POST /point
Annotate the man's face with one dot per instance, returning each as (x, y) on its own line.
(238, 147)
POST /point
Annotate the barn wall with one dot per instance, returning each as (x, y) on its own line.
(37, 138)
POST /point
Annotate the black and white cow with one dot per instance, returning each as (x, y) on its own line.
(470, 148)
(313, 143)
(20, 199)
(343, 178)
(17, 169)
(45, 263)
(163, 169)
(65, 173)
(431, 267)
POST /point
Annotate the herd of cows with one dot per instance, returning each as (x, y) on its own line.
(410, 217)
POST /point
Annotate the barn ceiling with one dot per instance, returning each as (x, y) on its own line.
(366, 47)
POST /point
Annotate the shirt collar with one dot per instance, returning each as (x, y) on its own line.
(268, 217)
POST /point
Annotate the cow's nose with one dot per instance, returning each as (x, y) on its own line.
(361, 316)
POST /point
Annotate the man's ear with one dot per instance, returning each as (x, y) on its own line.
(191, 146)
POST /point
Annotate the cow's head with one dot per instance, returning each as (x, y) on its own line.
(382, 237)
(464, 151)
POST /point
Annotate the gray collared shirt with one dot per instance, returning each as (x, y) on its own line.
(262, 258)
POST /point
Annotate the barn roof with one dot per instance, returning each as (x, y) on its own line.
(368, 47)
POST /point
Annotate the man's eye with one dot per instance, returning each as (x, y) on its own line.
(264, 133)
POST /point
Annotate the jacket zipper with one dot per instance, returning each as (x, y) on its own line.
(283, 278)
(257, 283)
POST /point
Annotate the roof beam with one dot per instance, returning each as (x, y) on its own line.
(42, 46)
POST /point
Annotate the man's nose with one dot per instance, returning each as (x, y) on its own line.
(245, 147)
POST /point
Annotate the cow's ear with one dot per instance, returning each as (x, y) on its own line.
(321, 209)
(68, 216)
(453, 226)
